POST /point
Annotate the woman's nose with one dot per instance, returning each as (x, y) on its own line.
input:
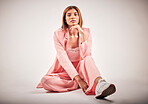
(72, 16)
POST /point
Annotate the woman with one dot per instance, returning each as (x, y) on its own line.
(74, 67)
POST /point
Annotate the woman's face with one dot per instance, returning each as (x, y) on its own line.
(72, 17)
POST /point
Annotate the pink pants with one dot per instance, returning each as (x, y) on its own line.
(61, 82)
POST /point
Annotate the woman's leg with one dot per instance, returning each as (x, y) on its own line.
(97, 80)
(90, 73)
(55, 83)
(59, 81)
(97, 86)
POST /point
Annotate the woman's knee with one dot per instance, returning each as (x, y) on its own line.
(46, 83)
(45, 80)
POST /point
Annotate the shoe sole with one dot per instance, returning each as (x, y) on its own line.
(108, 91)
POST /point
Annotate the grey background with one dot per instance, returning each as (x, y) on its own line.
(119, 31)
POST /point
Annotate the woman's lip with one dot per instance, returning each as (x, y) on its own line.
(73, 21)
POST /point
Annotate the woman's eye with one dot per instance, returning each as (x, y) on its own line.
(75, 14)
(69, 15)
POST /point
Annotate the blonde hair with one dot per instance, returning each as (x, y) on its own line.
(64, 24)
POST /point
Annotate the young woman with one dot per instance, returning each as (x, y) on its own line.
(74, 66)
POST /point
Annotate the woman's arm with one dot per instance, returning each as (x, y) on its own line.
(63, 58)
(86, 40)
(86, 43)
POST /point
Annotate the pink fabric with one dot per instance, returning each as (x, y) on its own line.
(73, 54)
(60, 76)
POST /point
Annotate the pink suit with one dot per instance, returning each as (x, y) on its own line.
(69, 63)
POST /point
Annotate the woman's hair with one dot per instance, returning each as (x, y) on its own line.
(64, 24)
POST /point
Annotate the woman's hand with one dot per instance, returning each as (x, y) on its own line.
(79, 29)
(83, 85)
(76, 27)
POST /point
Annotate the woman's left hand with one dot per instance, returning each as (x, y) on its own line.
(79, 30)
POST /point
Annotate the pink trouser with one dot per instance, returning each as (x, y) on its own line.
(61, 82)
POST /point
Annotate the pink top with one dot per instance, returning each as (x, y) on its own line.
(73, 54)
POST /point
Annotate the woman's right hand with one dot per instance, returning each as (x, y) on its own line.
(83, 85)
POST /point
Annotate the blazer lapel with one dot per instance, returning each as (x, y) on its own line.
(66, 38)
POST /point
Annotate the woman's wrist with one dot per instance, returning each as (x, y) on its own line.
(82, 34)
(83, 37)
(78, 78)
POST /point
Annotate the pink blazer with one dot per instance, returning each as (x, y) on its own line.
(60, 40)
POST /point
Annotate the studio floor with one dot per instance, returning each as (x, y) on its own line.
(21, 92)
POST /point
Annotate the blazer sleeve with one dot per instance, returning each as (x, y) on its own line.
(63, 58)
(86, 45)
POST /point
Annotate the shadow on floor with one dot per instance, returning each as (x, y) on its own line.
(104, 101)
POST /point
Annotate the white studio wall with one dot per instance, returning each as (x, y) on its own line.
(119, 31)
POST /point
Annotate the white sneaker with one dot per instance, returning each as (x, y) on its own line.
(104, 89)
